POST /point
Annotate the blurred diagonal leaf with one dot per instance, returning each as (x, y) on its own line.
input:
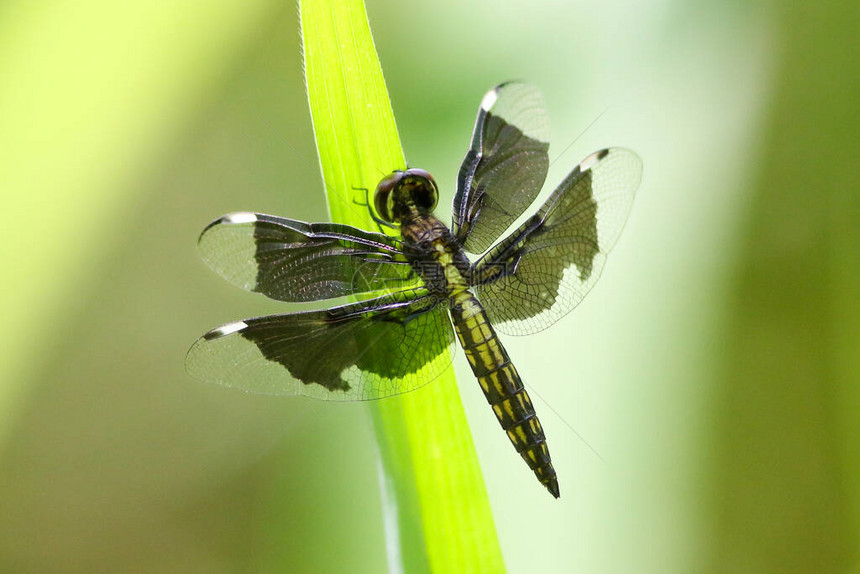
(786, 490)
(80, 117)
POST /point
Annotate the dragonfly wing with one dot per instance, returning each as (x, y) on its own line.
(542, 270)
(291, 260)
(505, 167)
(366, 350)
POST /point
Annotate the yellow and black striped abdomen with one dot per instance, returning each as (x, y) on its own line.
(502, 386)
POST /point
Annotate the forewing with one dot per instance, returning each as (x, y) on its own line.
(505, 166)
(544, 269)
(291, 260)
(368, 350)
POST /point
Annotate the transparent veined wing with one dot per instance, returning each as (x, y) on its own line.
(505, 167)
(367, 350)
(542, 270)
(290, 260)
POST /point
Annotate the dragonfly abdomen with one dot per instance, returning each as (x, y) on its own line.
(503, 387)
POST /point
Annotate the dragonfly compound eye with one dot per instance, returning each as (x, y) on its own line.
(383, 199)
(425, 194)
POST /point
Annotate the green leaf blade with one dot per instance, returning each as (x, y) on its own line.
(432, 476)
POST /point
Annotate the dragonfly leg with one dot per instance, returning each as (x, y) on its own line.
(366, 203)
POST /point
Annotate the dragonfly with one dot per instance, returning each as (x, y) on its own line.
(417, 296)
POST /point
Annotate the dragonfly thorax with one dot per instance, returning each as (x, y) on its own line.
(406, 194)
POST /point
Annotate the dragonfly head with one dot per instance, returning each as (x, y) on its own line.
(406, 193)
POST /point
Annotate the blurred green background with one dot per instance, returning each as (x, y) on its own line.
(714, 368)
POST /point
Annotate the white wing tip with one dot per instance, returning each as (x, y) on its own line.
(592, 160)
(489, 99)
(240, 217)
(225, 330)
